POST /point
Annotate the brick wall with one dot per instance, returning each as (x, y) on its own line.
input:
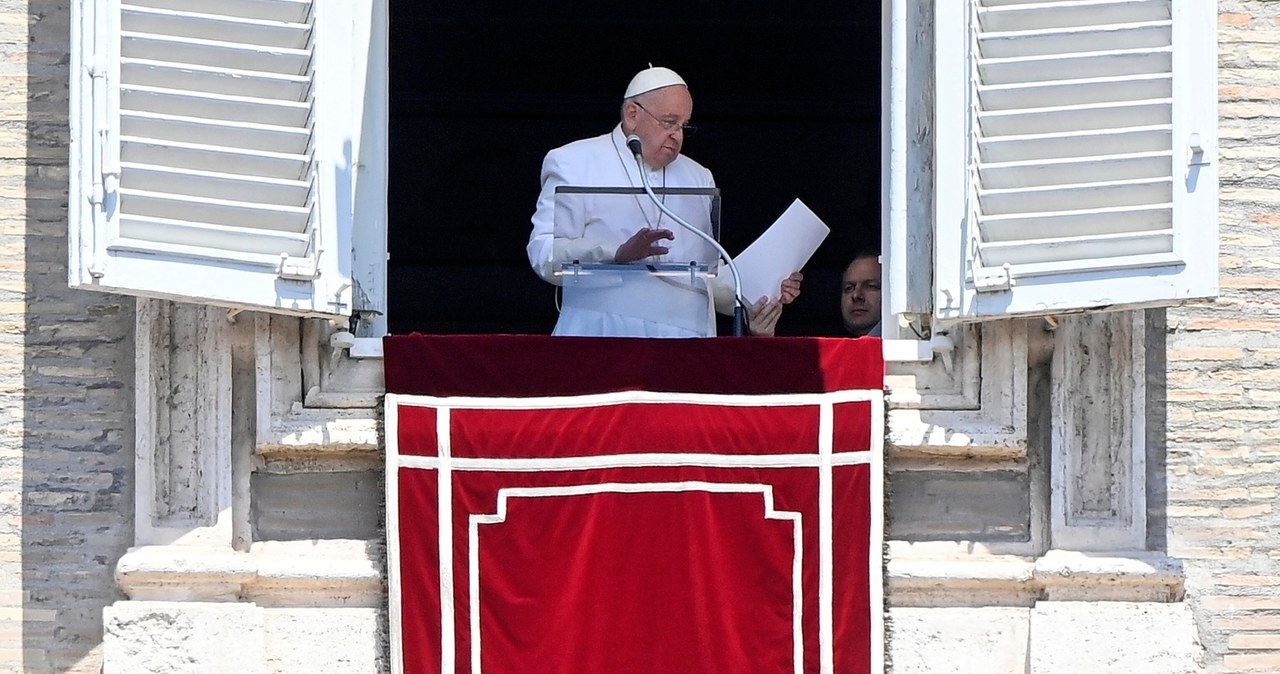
(1223, 383)
(65, 376)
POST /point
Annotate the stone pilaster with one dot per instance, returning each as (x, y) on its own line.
(1098, 446)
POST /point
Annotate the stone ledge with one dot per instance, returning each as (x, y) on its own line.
(183, 573)
(1009, 580)
(951, 434)
(323, 431)
(332, 573)
(1127, 577)
(350, 573)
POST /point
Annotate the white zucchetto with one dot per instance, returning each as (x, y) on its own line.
(652, 78)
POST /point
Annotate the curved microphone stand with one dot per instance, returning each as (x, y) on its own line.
(739, 308)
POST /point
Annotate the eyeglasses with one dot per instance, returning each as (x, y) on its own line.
(686, 129)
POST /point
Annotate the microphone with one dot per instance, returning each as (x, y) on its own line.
(739, 307)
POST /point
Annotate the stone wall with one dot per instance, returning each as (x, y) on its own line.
(66, 376)
(1223, 386)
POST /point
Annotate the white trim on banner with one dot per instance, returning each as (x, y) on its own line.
(392, 482)
(647, 460)
(770, 513)
(826, 554)
(444, 500)
(875, 553)
(642, 397)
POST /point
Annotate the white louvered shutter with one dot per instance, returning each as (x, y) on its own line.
(211, 151)
(1076, 155)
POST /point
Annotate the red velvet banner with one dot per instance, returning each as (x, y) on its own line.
(636, 530)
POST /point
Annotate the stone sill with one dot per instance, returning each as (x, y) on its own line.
(323, 431)
(328, 573)
(894, 350)
(1008, 580)
(349, 573)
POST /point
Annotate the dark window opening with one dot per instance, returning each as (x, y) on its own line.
(787, 104)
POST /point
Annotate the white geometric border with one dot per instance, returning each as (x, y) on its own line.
(766, 491)
(824, 459)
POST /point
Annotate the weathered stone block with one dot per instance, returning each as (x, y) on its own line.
(350, 640)
(1119, 637)
(302, 506)
(991, 640)
(945, 505)
(184, 638)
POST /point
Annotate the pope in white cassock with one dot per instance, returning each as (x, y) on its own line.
(656, 108)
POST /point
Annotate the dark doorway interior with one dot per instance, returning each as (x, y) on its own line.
(786, 97)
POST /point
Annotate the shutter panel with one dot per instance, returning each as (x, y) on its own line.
(1076, 155)
(211, 154)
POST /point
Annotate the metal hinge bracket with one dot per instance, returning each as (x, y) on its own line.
(992, 279)
(298, 268)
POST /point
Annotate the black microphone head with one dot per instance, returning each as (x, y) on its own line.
(633, 144)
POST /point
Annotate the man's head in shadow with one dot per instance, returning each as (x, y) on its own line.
(860, 294)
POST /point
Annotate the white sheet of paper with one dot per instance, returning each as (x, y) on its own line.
(780, 251)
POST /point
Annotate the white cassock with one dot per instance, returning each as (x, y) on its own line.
(592, 227)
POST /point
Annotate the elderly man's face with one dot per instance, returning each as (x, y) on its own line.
(860, 296)
(662, 108)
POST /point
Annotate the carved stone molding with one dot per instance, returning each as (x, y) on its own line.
(1098, 477)
(344, 573)
(979, 579)
(312, 398)
(183, 425)
(981, 405)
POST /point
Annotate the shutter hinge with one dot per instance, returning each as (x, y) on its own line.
(992, 279)
(298, 268)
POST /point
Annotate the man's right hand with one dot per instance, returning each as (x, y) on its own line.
(642, 244)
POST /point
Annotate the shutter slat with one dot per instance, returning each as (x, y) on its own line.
(1060, 249)
(215, 132)
(214, 53)
(1086, 265)
(1001, 3)
(1076, 92)
(1075, 170)
(231, 239)
(269, 10)
(214, 27)
(1042, 43)
(1023, 15)
(1112, 63)
(1075, 118)
(188, 77)
(224, 186)
(170, 251)
(212, 158)
(1071, 197)
(215, 106)
(215, 211)
(1075, 144)
(1077, 222)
